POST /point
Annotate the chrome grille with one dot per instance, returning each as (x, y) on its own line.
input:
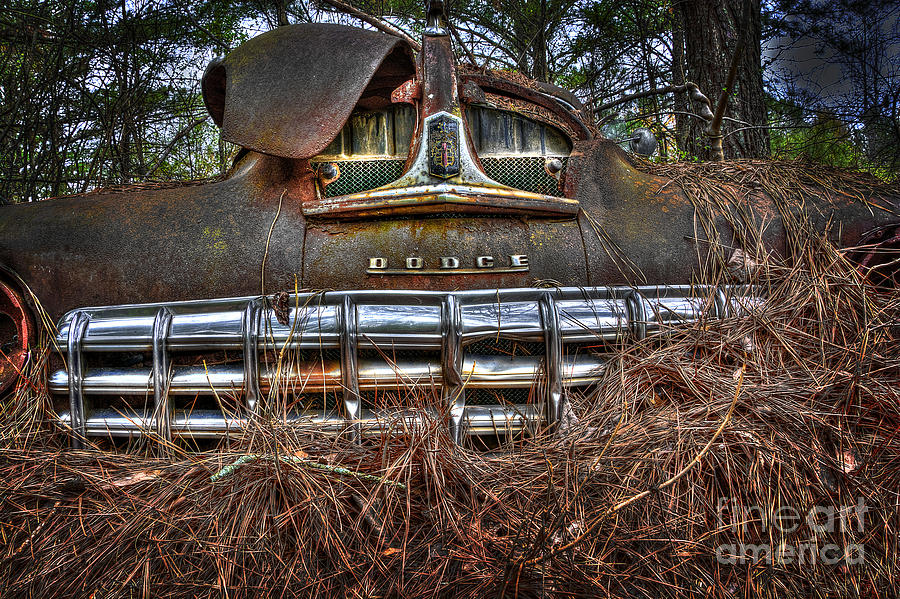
(520, 172)
(514, 351)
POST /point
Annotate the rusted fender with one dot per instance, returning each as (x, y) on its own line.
(141, 246)
(639, 228)
(289, 91)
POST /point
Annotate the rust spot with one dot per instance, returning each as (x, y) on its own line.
(282, 308)
(407, 93)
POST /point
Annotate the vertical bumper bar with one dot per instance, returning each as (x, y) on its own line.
(637, 314)
(250, 333)
(454, 393)
(162, 409)
(553, 397)
(77, 329)
(350, 365)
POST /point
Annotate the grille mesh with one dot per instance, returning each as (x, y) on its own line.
(363, 175)
(524, 172)
(495, 397)
(505, 347)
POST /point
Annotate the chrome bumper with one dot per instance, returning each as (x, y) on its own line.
(364, 330)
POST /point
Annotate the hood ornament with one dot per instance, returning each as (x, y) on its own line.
(436, 19)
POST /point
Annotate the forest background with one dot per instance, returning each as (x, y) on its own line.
(97, 92)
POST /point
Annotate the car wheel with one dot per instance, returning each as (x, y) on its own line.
(16, 331)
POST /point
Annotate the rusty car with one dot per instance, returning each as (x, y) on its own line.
(393, 219)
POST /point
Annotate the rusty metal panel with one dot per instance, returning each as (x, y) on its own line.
(638, 227)
(444, 253)
(439, 93)
(289, 91)
(635, 229)
(141, 246)
(491, 83)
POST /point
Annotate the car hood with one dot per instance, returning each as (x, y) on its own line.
(289, 91)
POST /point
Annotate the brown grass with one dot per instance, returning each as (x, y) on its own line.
(795, 406)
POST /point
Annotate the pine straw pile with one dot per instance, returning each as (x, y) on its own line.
(756, 456)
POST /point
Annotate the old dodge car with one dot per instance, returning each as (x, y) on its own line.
(392, 222)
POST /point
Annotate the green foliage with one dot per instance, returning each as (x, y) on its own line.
(835, 85)
(98, 93)
(826, 138)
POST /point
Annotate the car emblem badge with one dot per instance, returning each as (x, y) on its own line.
(449, 265)
(443, 147)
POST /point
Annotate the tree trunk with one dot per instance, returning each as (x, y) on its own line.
(681, 101)
(539, 48)
(711, 29)
(281, 13)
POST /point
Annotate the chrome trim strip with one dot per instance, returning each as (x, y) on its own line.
(447, 271)
(448, 192)
(477, 372)
(401, 319)
(212, 424)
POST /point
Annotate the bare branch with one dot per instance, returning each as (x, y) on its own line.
(374, 21)
(714, 130)
(171, 145)
(689, 87)
(464, 47)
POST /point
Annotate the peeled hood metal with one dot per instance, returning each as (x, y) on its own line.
(289, 91)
